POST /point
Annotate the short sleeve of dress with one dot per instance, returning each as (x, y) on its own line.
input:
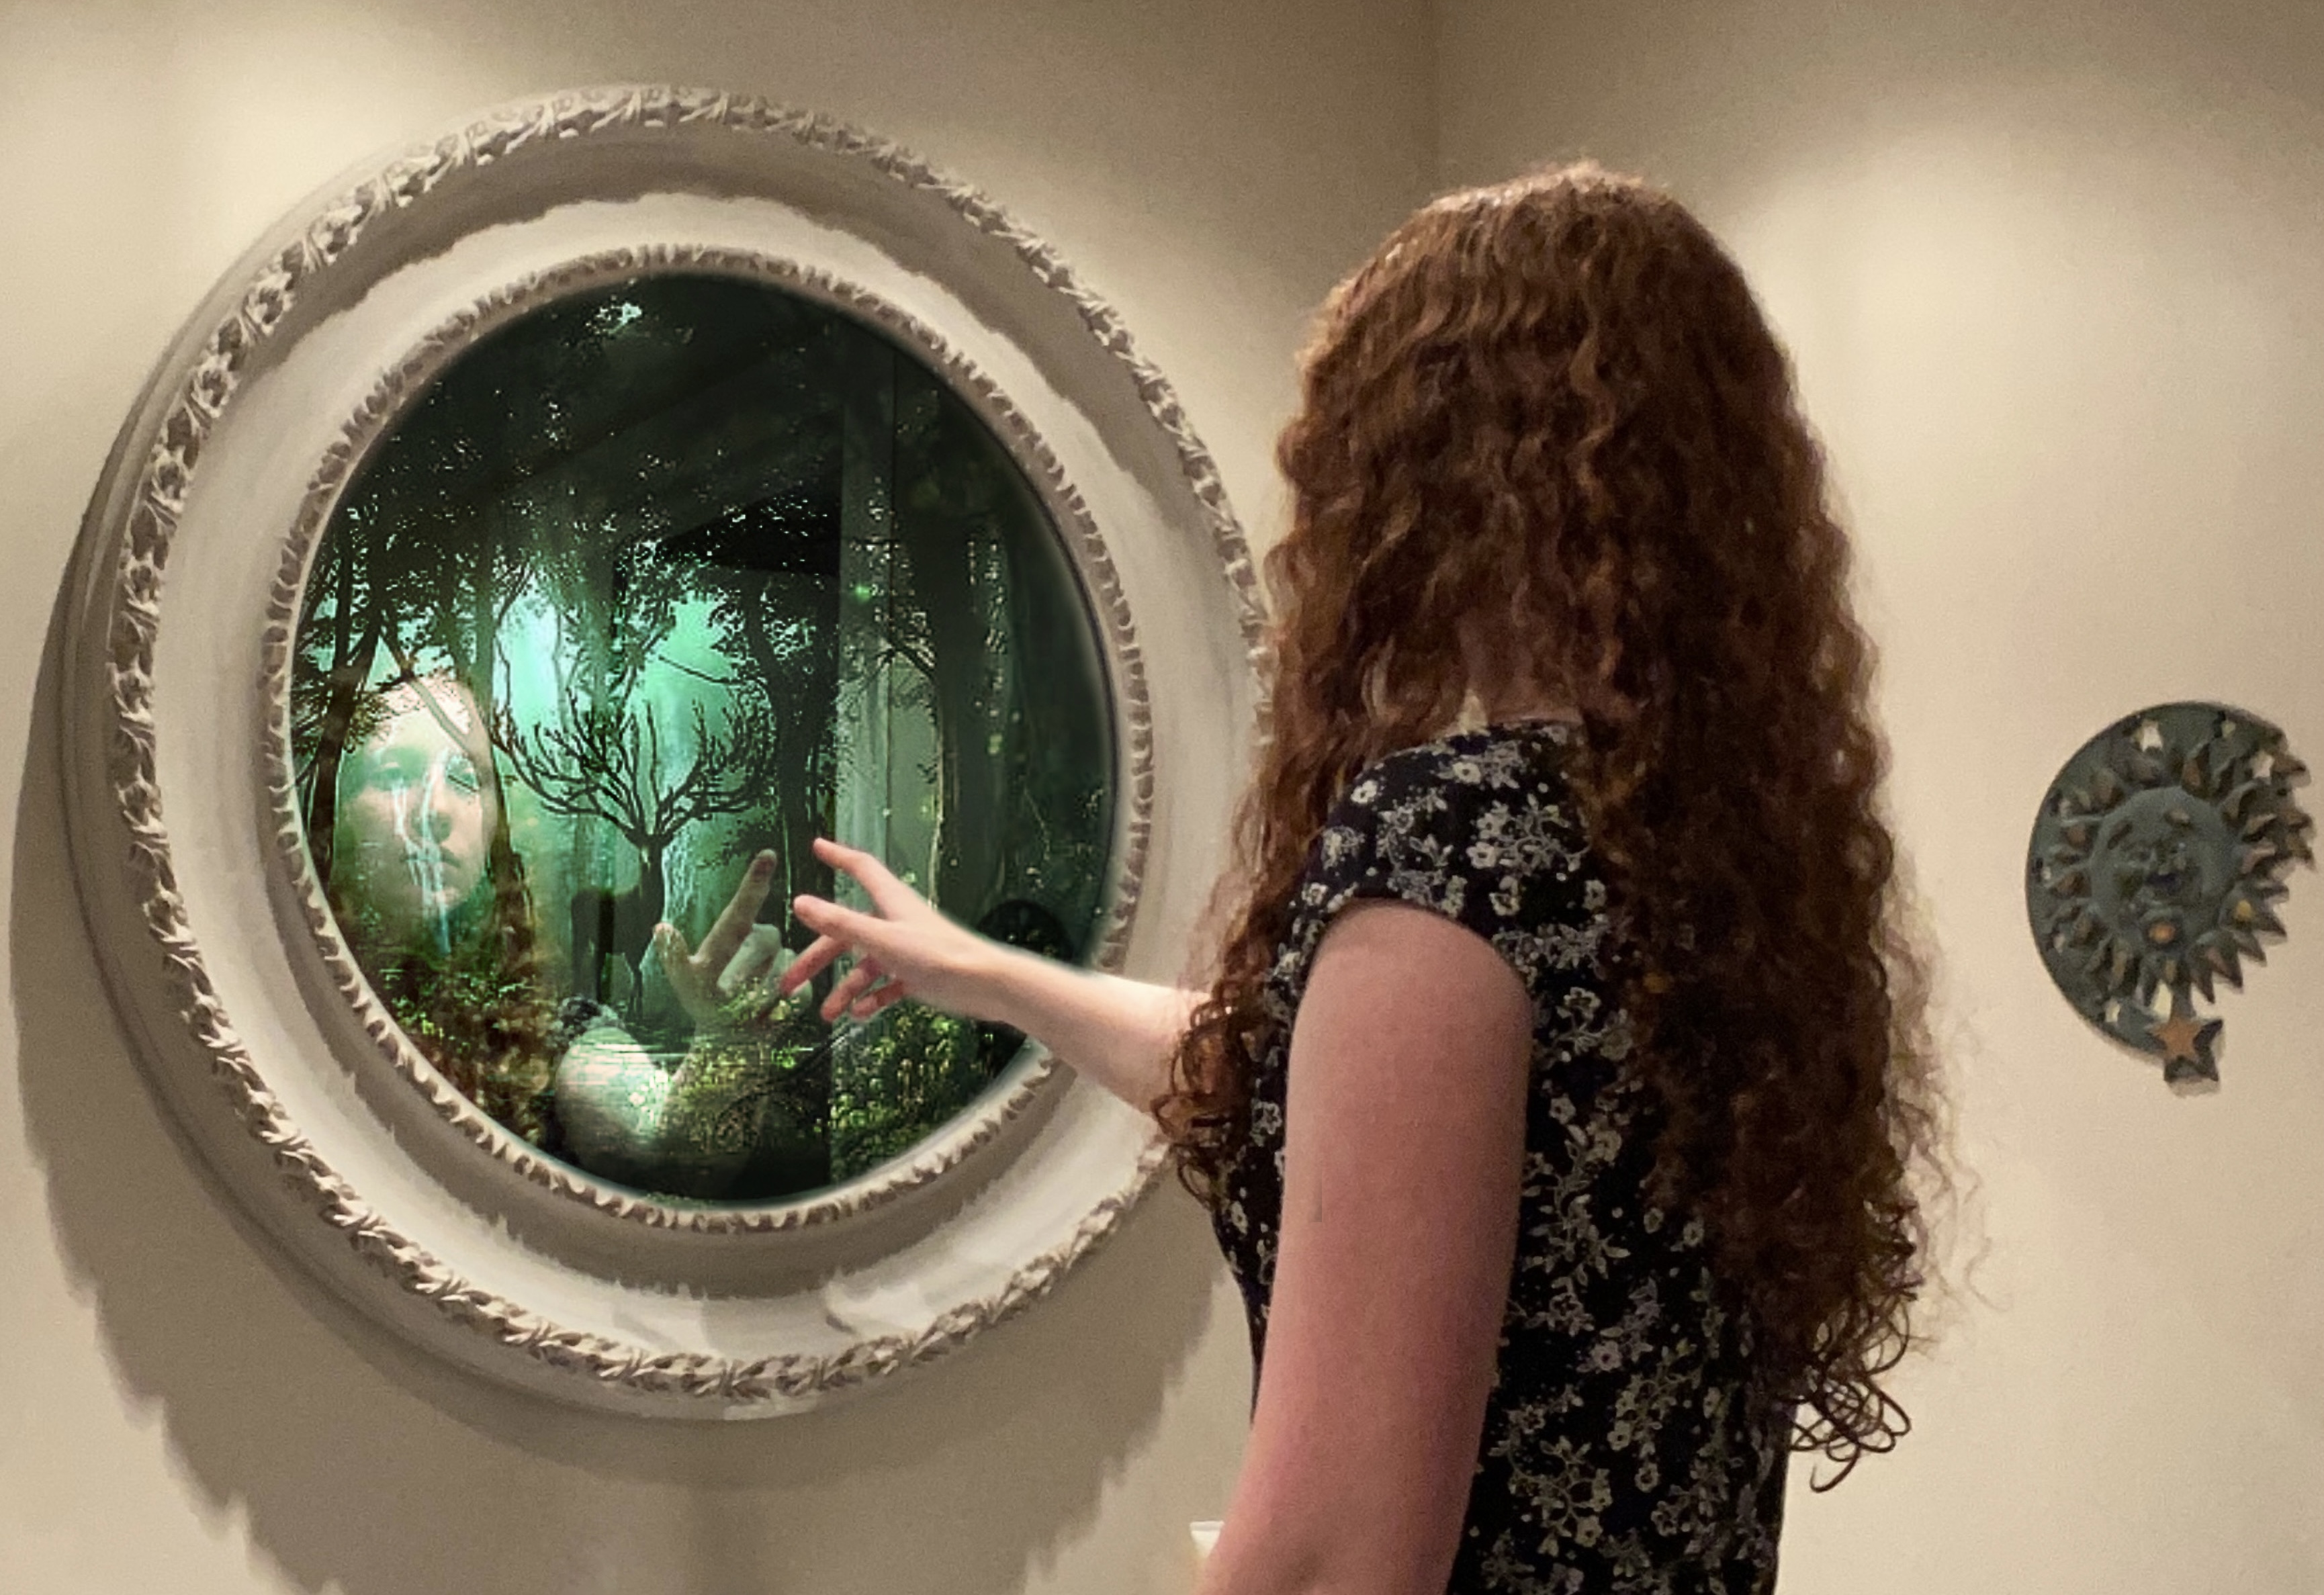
(1480, 830)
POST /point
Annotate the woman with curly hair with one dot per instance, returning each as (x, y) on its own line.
(1558, 1083)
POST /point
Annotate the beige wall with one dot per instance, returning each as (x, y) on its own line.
(2055, 276)
(180, 1414)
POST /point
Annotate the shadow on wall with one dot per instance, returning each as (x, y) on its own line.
(366, 1468)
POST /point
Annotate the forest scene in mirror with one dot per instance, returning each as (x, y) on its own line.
(650, 587)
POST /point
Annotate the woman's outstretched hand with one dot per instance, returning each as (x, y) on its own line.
(905, 948)
(1119, 1033)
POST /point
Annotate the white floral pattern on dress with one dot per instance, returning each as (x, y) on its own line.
(1625, 1448)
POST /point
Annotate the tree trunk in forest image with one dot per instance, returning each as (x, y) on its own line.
(1058, 753)
(867, 451)
(491, 591)
(348, 676)
(943, 521)
(938, 546)
(804, 724)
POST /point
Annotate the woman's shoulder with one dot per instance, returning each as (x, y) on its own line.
(1520, 761)
(1480, 826)
(1485, 803)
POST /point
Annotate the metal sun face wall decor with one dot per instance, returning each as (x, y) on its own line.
(2156, 863)
(523, 554)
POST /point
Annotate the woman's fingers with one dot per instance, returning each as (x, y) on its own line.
(865, 933)
(867, 972)
(890, 939)
(841, 930)
(890, 896)
(859, 979)
(819, 956)
(818, 913)
(877, 1000)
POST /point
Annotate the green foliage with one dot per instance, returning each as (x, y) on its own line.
(893, 1084)
(482, 1019)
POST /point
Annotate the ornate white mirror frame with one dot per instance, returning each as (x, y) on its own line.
(252, 1021)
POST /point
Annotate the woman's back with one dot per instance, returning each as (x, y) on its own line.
(1626, 1443)
(1549, 459)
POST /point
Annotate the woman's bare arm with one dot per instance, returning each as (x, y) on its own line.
(1403, 1161)
(1119, 1032)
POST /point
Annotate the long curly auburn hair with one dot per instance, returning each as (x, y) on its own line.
(1548, 425)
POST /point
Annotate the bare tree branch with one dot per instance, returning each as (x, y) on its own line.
(607, 764)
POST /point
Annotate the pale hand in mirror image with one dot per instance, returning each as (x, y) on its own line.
(627, 1117)
(734, 967)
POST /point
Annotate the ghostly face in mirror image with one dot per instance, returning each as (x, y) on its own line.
(416, 811)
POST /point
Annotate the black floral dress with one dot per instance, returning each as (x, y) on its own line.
(1625, 1447)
